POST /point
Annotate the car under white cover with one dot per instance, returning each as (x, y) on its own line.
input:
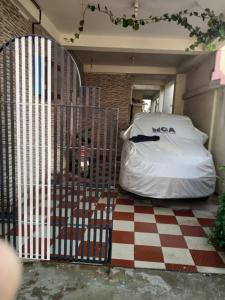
(174, 164)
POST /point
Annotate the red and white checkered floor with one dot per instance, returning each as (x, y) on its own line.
(89, 213)
(154, 234)
(157, 235)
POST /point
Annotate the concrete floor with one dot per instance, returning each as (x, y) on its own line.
(75, 282)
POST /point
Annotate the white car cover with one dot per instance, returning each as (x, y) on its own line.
(176, 166)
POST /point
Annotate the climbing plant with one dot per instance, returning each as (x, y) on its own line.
(217, 232)
(215, 29)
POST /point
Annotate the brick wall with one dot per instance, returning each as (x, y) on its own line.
(115, 92)
(13, 24)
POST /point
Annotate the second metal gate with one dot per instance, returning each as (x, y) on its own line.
(83, 182)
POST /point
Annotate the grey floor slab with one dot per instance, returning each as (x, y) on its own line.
(75, 282)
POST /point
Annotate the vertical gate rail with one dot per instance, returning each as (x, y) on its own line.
(89, 96)
(84, 171)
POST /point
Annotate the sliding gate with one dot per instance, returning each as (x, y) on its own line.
(57, 156)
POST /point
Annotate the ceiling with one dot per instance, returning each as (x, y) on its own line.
(65, 15)
(156, 49)
(129, 58)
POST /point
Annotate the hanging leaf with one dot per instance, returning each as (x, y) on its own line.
(215, 24)
(125, 23)
(130, 22)
(135, 26)
(92, 8)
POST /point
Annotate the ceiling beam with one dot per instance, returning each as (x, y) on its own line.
(88, 68)
(150, 80)
(146, 87)
(138, 44)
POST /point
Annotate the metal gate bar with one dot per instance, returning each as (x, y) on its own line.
(55, 141)
(2, 177)
(89, 96)
(67, 140)
(36, 132)
(12, 109)
(91, 180)
(6, 144)
(30, 66)
(84, 114)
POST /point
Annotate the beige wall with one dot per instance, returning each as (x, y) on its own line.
(138, 94)
(200, 76)
(179, 90)
(199, 109)
(218, 139)
(198, 103)
(205, 105)
(168, 98)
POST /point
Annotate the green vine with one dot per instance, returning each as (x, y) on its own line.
(217, 232)
(215, 24)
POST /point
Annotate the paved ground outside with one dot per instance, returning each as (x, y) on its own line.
(44, 281)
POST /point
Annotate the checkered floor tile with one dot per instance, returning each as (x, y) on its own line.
(147, 236)
(81, 211)
(146, 233)
(91, 212)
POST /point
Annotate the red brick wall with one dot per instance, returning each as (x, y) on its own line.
(115, 92)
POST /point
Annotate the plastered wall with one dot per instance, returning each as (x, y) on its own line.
(205, 104)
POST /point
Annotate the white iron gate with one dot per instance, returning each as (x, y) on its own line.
(28, 72)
